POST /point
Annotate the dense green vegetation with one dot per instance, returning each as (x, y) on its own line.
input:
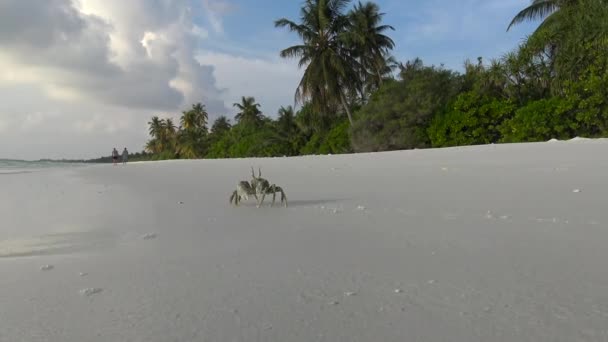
(354, 96)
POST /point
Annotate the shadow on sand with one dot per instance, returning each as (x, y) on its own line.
(294, 203)
(54, 244)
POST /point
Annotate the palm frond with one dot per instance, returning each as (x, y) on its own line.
(539, 9)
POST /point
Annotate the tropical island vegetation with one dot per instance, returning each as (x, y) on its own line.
(355, 97)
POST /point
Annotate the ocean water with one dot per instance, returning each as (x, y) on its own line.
(8, 166)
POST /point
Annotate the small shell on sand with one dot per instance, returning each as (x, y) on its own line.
(576, 191)
(350, 294)
(47, 267)
(90, 291)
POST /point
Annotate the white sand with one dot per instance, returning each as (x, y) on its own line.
(487, 243)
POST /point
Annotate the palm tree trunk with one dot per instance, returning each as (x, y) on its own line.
(345, 105)
(378, 73)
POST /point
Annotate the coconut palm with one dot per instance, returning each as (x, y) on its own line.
(189, 145)
(156, 127)
(191, 137)
(220, 125)
(195, 119)
(153, 146)
(162, 132)
(545, 10)
(249, 111)
(286, 121)
(287, 132)
(331, 71)
(372, 47)
(169, 128)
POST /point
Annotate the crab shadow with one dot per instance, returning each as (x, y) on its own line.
(294, 203)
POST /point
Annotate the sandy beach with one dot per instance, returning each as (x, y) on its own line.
(483, 243)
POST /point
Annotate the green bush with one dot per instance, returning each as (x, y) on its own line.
(335, 141)
(473, 119)
(540, 121)
(245, 140)
(398, 114)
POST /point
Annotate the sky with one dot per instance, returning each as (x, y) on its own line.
(79, 77)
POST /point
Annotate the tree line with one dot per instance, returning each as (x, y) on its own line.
(355, 97)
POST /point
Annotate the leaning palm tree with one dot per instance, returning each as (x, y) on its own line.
(545, 10)
(331, 71)
(249, 111)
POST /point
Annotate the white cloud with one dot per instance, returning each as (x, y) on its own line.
(271, 82)
(200, 32)
(215, 10)
(96, 70)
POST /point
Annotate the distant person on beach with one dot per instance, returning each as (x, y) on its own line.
(125, 156)
(114, 156)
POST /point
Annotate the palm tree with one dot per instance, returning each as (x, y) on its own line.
(545, 10)
(287, 132)
(249, 111)
(331, 70)
(153, 146)
(168, 138)
(191, 137)
(189, 145)
(169, 128)
(195, 118)
(310, 121)
(286, 120)
(220, 125)
(156, 127)
(162, 132)
(370, 44)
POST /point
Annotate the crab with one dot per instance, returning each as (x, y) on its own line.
(263, 188)
(258, 188)
(243, 191)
